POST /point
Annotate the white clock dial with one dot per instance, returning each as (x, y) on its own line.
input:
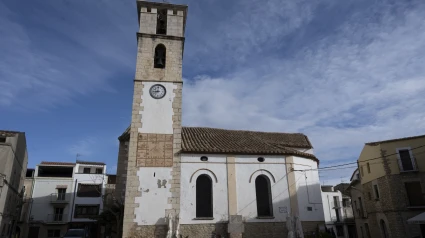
(157, 91)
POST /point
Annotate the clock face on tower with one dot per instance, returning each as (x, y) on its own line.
(157, 91)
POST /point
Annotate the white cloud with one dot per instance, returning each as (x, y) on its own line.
(342, 91)
(56, 53)
(84, 147)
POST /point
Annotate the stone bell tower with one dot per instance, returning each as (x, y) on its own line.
(153, 169)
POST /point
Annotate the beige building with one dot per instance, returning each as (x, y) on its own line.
(388, 189)
(13, 161)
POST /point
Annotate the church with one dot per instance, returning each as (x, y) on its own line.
(199, 182)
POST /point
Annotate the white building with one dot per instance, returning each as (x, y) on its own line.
(338, 213)
(209, 180)
(66, 195)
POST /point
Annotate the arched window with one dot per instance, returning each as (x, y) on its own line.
(264, 196)
(161, 22)
(204, 196)
(159, 60)
(384, 230)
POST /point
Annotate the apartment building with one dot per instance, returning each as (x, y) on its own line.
(339, 220)
(13, 161)
(64, 196)
(388, 189)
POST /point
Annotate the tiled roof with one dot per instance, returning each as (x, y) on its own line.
(8, 133)
(393, 140)
(56, 163)
(89, 162)
(213, 140)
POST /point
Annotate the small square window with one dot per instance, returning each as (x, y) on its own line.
(99, 171)
(309, 209)
(2, 139)
(86, 170)
(149, 9)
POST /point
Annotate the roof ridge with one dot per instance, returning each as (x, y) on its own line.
(395, 139)
(240, 130)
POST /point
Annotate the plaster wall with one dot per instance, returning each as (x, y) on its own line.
(43, 188)
(157, 114)
(247, 170)
(191, 168)
(308, 190)
(155, 191)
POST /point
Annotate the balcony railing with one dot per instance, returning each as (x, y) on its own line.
(57, 218)
(59, 198)
(342, 219)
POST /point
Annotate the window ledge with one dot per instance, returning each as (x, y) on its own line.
(409, 171)
(265, 217)
(415, 207)
(203, 218)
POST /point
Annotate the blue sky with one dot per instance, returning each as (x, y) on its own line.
(342, 72)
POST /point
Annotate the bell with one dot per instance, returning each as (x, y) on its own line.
(160, 62)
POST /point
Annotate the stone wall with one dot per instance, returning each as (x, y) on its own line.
(391, 207)
(121, 170)
(204, 230)
(265, 229)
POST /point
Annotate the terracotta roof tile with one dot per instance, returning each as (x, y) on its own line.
(214, 140)
(56, 163)
(8, 133)
(397, 139)
(89, 162)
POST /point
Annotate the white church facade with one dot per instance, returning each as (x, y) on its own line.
(198, 182)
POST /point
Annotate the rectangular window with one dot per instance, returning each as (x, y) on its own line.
(356, 209)
(309, 209)
(366, 226)
(369, 195)
(86, 211)
(361, 171)
(2, 139)
(406, 161)
(368, 168)
(53, 233)
(89, 190)
(86, 170)
(61, 194)
(414, 194)
(361, 208)
(99, 171)
(376, 190)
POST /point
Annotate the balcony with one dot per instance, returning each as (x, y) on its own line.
(58, 198)
(343, 219)
(57, 218)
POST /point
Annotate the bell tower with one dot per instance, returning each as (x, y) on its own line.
(153, 168)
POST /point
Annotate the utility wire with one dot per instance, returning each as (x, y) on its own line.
(340, 165)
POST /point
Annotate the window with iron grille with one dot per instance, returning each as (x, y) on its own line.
(89, 190)
(86, 211)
